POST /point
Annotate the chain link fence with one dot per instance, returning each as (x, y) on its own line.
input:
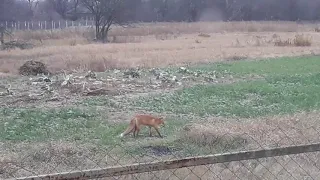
(276, 151)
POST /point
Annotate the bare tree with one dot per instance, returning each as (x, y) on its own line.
(161, 8)
(67, 9)
(192, 8)
(293, 10)
(33, 4)
(3, 32)
(106, 13)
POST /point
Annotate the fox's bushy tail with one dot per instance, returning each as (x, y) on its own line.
(130, 128)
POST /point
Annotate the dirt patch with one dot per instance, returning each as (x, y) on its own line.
(43, 91)
(159, 150)
(33, 68)
(219, 139)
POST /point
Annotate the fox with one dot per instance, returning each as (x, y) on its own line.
(146, 120)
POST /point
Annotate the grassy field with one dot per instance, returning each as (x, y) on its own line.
(221, 87)
(288, 85)
(260, 100)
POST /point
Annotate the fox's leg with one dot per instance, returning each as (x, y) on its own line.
(157, 131)
(150, 132)
(137, 130)
(134, 131)
(135, 126)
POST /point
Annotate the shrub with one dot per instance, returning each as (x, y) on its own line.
(299, 40)
(16, 44)
(204, 35)
(280, 42)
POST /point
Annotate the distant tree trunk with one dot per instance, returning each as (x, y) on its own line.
(104, 35)
(1, 38)
(2, 31)
(164, 10)
(192, 14)
(102, 30)
(97, 24)
(293, 12)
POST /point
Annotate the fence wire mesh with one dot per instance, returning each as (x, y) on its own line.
(54, 157)
(46, 25)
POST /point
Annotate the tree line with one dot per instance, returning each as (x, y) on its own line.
(108, 12)
(164, 10)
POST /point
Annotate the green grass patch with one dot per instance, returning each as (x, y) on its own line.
(39, 125)
(101, 101)
(275, 95)
(72, 124)
(275, 66)
(289, 85)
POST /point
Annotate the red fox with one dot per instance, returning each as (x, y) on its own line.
(146, 120)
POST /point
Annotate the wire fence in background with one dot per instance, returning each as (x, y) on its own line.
(276, 153)
(47, 25)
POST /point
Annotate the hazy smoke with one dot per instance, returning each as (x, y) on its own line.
(211, 14)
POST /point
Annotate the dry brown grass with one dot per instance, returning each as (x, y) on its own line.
(299, 40)
(263, 132)
(302, 40)
(156, 45)
(280, 42)
(147, 29)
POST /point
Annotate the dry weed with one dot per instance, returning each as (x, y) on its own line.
(280, 42)
(257, 42)
(237, 43)
(140, 46)
(4, 70)
(44, 156)
(204, 35)
(299, 40)
(125, 39)
(41, 35)
(204, 135)
(253, 28)
(147, 29)
(169, 36)
(302, 40)
(73, 42)
(249, 134)
(270, 131)
(236, 58)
